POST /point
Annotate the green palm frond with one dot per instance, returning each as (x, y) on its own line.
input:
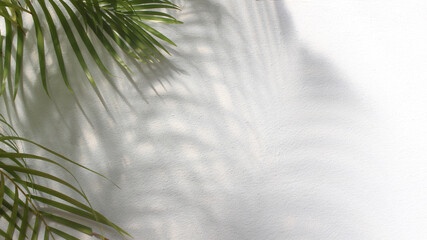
(117, 24)
(28, 203)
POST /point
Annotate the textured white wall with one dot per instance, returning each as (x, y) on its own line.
(297, 119)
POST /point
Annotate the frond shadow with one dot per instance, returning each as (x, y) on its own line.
(191, 141)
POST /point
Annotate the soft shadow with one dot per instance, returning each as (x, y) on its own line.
(229, 139)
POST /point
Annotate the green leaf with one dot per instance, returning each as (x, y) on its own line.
(46, 233)
(13, 6)
(152, 6)
(72, 41)
(139, 43)
(12, 195)
(7, 54)
(12, 223)
(107, 28)
(2, 82)
(31, 156)
(41, 174)
(2, 233)
(157, 19)
(99, 33)
(40, 47)
(1, 190)
(62, 234)
(71, 224)
(79, 212)
(19, 55)
(95, 215)
(156, 33)
(24, 225)
(36, 228)
(84, 37)
(56, 43)
(3, 138)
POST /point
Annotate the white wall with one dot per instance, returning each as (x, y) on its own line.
(296, 119)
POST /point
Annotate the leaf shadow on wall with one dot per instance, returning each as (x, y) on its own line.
(232, 148)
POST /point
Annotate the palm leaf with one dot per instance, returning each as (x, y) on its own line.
(121, 23)
(7, 53)
(22, 204)
(19, 54)
(117, 24)
(40, 47)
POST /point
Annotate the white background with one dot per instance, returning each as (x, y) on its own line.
(296, 119)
